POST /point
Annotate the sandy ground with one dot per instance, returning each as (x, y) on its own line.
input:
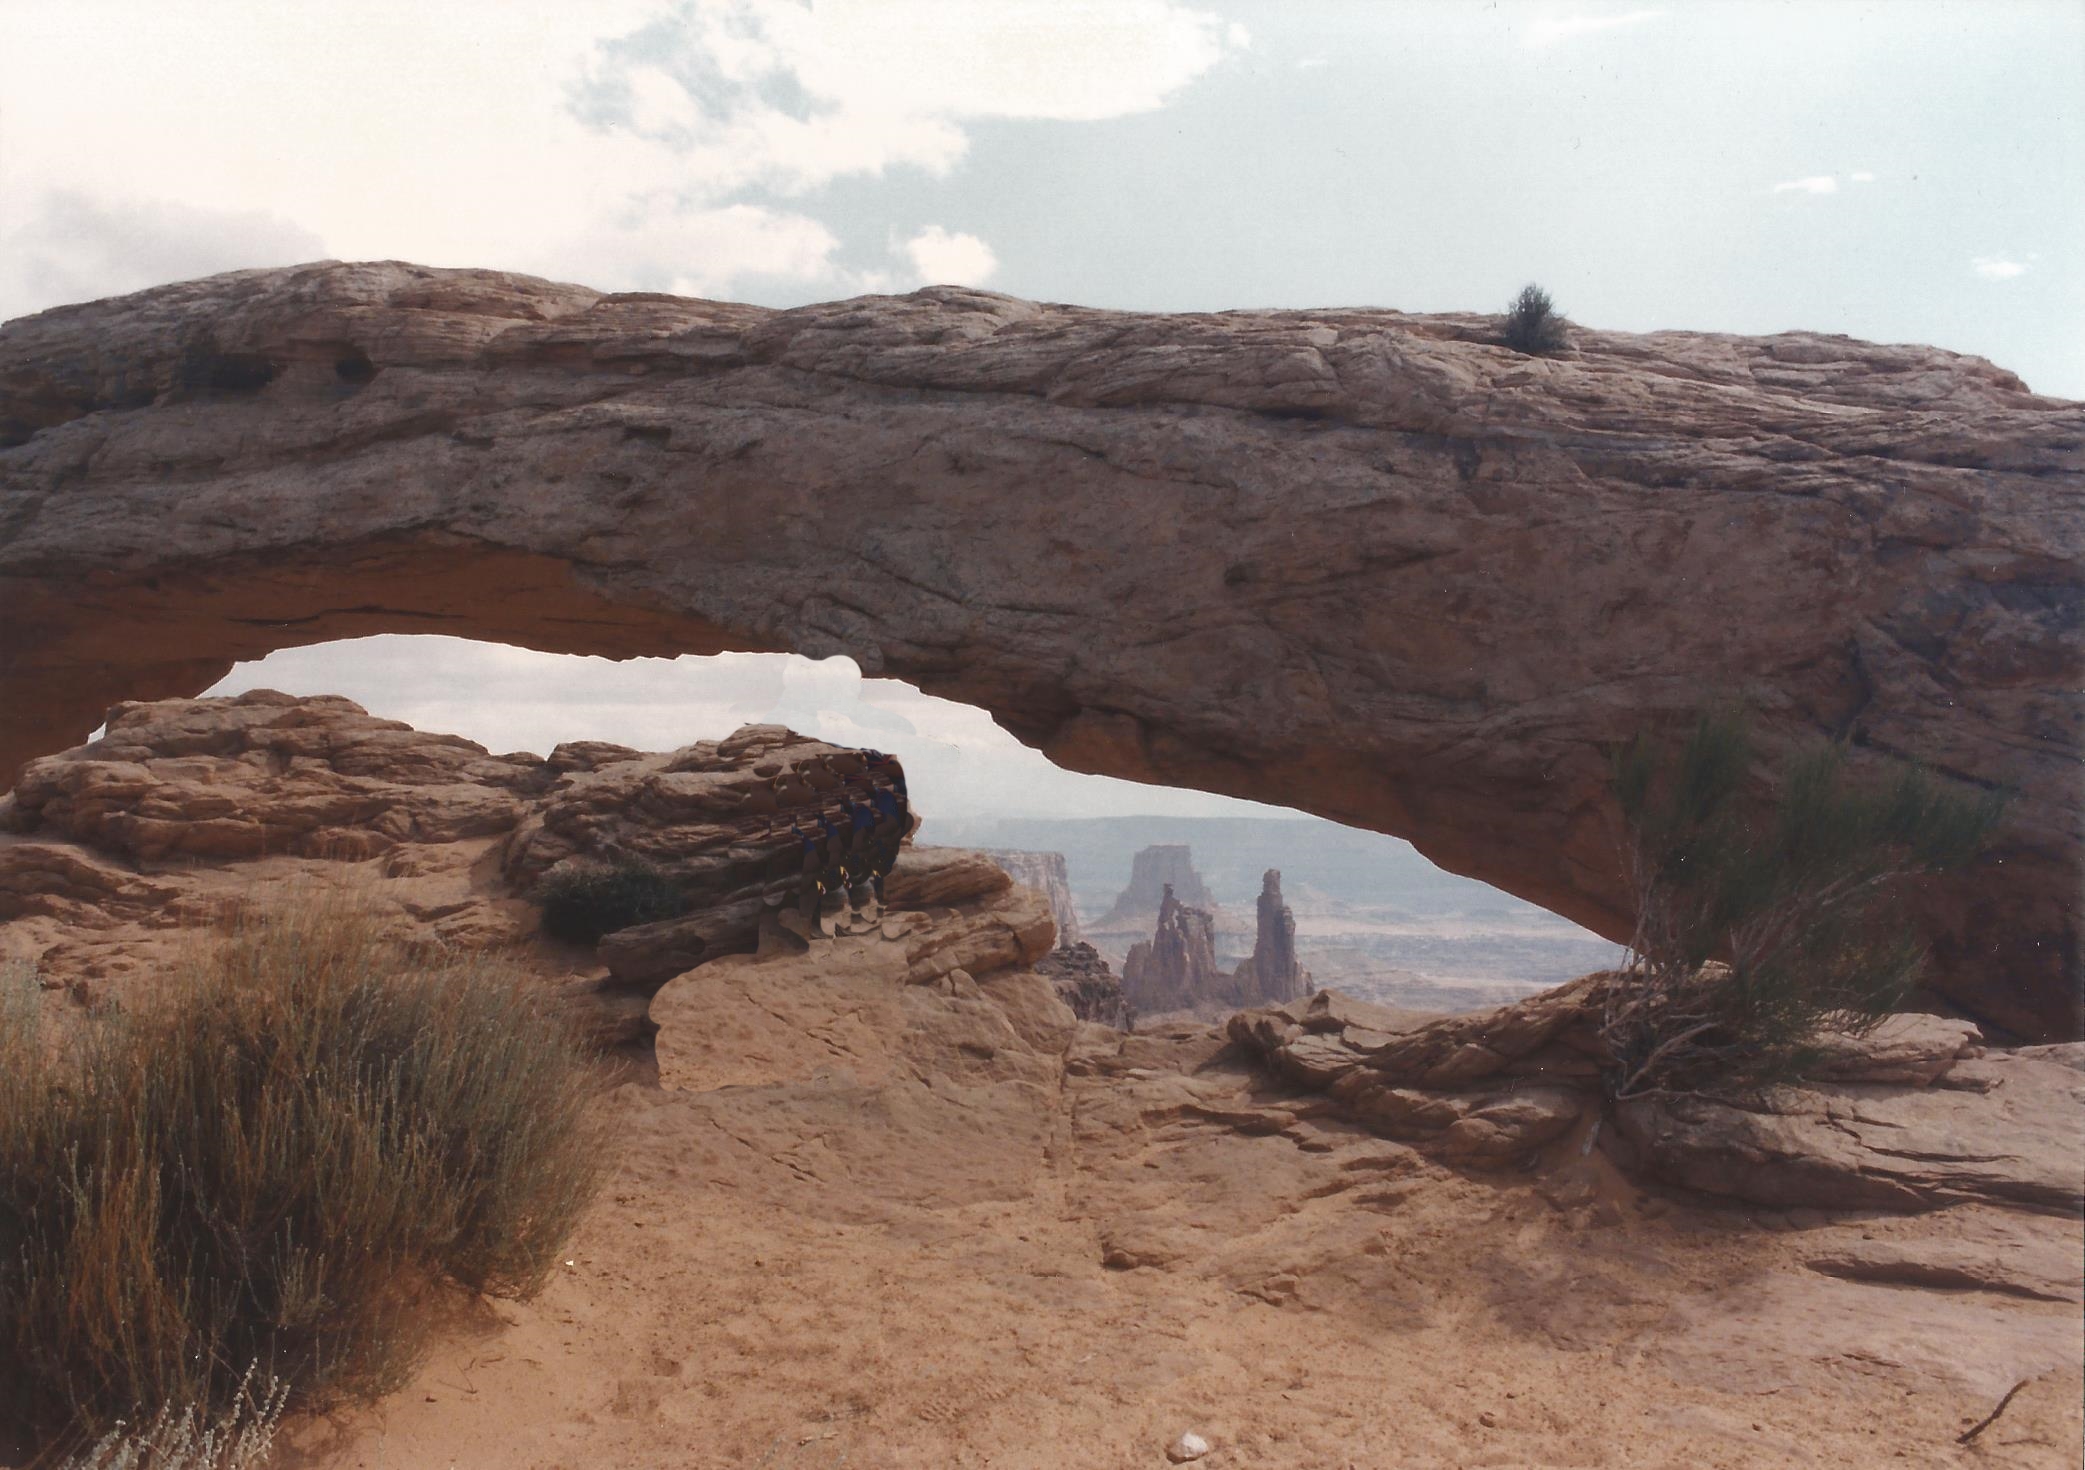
(868, 1225)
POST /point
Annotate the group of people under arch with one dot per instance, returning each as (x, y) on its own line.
(845, 842)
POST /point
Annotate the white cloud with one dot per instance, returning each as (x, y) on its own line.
(1861, 176)
(70, 247)
(612, 142)
(945, 259)
(1312, 63)
(1998, 267)
(699, 252)
(1564, 28)
(791, 97)
(1815, 184)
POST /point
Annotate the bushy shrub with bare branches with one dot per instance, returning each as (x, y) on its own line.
(1758, 930)
(583, 901)
(239, 1438)
(1533, 324)
(320, 1133)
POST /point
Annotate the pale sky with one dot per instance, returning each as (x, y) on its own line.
(1899, 171)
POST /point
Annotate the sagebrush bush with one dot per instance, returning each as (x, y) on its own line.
(240, 1438)
(581, 902)
(277, 1170)
(1533, 325)
(1757, 930)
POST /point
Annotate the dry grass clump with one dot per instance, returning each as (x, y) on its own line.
(240, 1439)
(276, 1173)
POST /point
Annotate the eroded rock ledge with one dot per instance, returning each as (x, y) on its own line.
(1916, 1115)
(1356, 562)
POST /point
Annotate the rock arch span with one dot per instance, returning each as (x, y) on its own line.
(1357, 562)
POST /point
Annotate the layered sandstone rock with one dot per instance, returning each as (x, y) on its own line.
(1045, 872)
(1086, 984)
(186, 811)
(1175, 969)
(1162, 868)
(1384, 570)
(895, 1166)
(1270, 974)
(1907, 1117)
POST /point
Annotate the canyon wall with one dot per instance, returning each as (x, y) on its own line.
(1045, 873)
(1361, 563)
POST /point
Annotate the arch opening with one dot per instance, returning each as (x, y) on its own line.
(1373, 917)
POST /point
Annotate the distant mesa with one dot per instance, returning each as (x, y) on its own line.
(1176, 969)
(1158, 870)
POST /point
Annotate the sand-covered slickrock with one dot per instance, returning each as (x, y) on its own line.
(1362, 563)
(1045, 872)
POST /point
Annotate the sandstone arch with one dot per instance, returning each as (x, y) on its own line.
(1356, 562)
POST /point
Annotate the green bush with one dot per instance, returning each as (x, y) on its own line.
(277, 1172)
(1759, 929)
(1533, 325)
(583, 901)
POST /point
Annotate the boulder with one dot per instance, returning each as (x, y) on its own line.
(186, 811)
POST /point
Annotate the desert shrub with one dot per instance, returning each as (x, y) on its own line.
(1533, 325)
(1759, 929)
(239, 1439)
(583, 901)
(276, 1172)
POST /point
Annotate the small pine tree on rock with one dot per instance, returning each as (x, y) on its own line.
(1533, 324)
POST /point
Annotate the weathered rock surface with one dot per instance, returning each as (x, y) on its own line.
(1913, 1116)
(187, 809)
(1175, 969)
(1166, 1229)
(1086, 984)
(1384, 570)
(1881, 1146)
(895, 1204)
(1046, 873)
(1162, 868)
